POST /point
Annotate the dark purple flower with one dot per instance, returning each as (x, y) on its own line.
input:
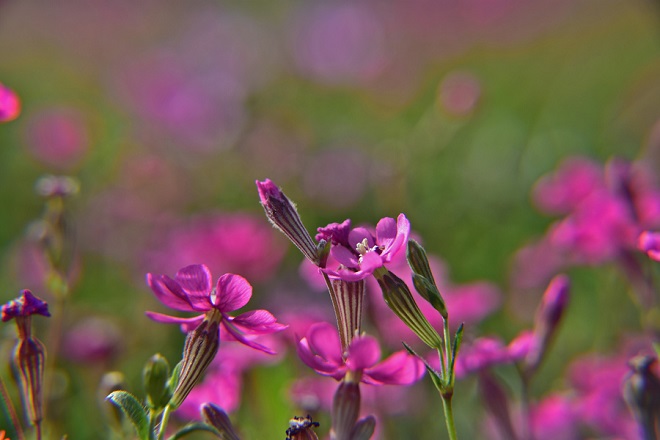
(360, 252)
(191, 291)
(25, 305)
(320, 349)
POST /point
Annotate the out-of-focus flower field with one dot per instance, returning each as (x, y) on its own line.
(521, 140)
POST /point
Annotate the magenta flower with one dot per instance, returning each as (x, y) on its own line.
(10, 104)
(649, 242)
(25, 305)
(320, 349)
(358, 252)
(191, 291)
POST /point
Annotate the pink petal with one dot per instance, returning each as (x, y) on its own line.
(231, 330)
(363, 353)
(358, 234)
(392, 238)
(398, 369)
(386, 231)
(258, 322)
(319, 363)
(169, 292)
(167, 319)
(370, 262)
(324, 341)
(344, 256)
(195, 280)
(232, 292)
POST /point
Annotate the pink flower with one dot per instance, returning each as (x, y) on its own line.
(10, 105)
(649, 242)
(320, 349)
(359, 252)
(191, 291)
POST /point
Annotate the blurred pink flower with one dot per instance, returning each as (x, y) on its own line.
(10, 104)
(339, 43)
(487, 352)
(359, 252)
(555, 417)
(320, 349)
(93, 340)
(561, 191)
(235, 243)
(58, 137)
(191, 291)
(649, 242)
(459, 93)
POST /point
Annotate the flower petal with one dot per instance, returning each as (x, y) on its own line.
(363, 353)
(169, 292)
(195, 280)
(233, 332)
(345, 256)
(392, 238)
(232, 292)
(358, 235)
(322, 359)
(398, 369)
(258, 322)
(167, 319)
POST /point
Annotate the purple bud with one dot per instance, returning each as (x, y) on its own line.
(283, 215)
(24, 306)
(216, 417)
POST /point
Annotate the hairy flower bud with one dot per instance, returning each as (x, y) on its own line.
(199, 350)
(155, 376)
(283, 215)
(345, 410)
(400, 300)
(216, 417)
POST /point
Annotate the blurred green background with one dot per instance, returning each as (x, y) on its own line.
(447, 111)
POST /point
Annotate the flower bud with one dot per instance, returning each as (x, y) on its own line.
(364, 428)
(155, 376)
(345, 410)
(430, 293)
(348, 299)
(302, 428)
(418, 261)
(283, 215)
(199, 350)
(400, 300)
(216, 417)
(29, 359)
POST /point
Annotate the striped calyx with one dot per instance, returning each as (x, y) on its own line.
(199, 350)
(283, 215)
(29, 358)
(345, 410)
(348, 300)
(399, 299)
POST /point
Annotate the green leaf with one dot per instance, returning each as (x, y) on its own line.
(8, 420)
(436, 378)
(134, 410)
(195, 427)
(455, 346)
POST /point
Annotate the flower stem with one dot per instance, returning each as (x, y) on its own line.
(449, 417)
(163, 422)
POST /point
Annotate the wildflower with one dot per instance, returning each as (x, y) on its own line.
(29, 354)
(649, 242)
(191, 291)
(359, 252)
(10, 105)
(320, 349)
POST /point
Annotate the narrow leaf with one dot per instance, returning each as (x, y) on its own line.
(435, 376)
(195, 427)
(455, 346)
(132, 409)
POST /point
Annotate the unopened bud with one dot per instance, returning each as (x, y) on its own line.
(345, 410)
(418, 261)
(29, 359)
(155, 376)
(401, 302)
(641, 390)
(548, 316)
(430, 293)
(302, 428)
(283, 215)
(364, 428)
(216, 417)
(199, 350)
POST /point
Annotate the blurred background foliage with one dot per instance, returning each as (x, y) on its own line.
(448, 111)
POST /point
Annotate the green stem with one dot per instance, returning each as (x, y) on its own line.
(163, 422)
(449, 417)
